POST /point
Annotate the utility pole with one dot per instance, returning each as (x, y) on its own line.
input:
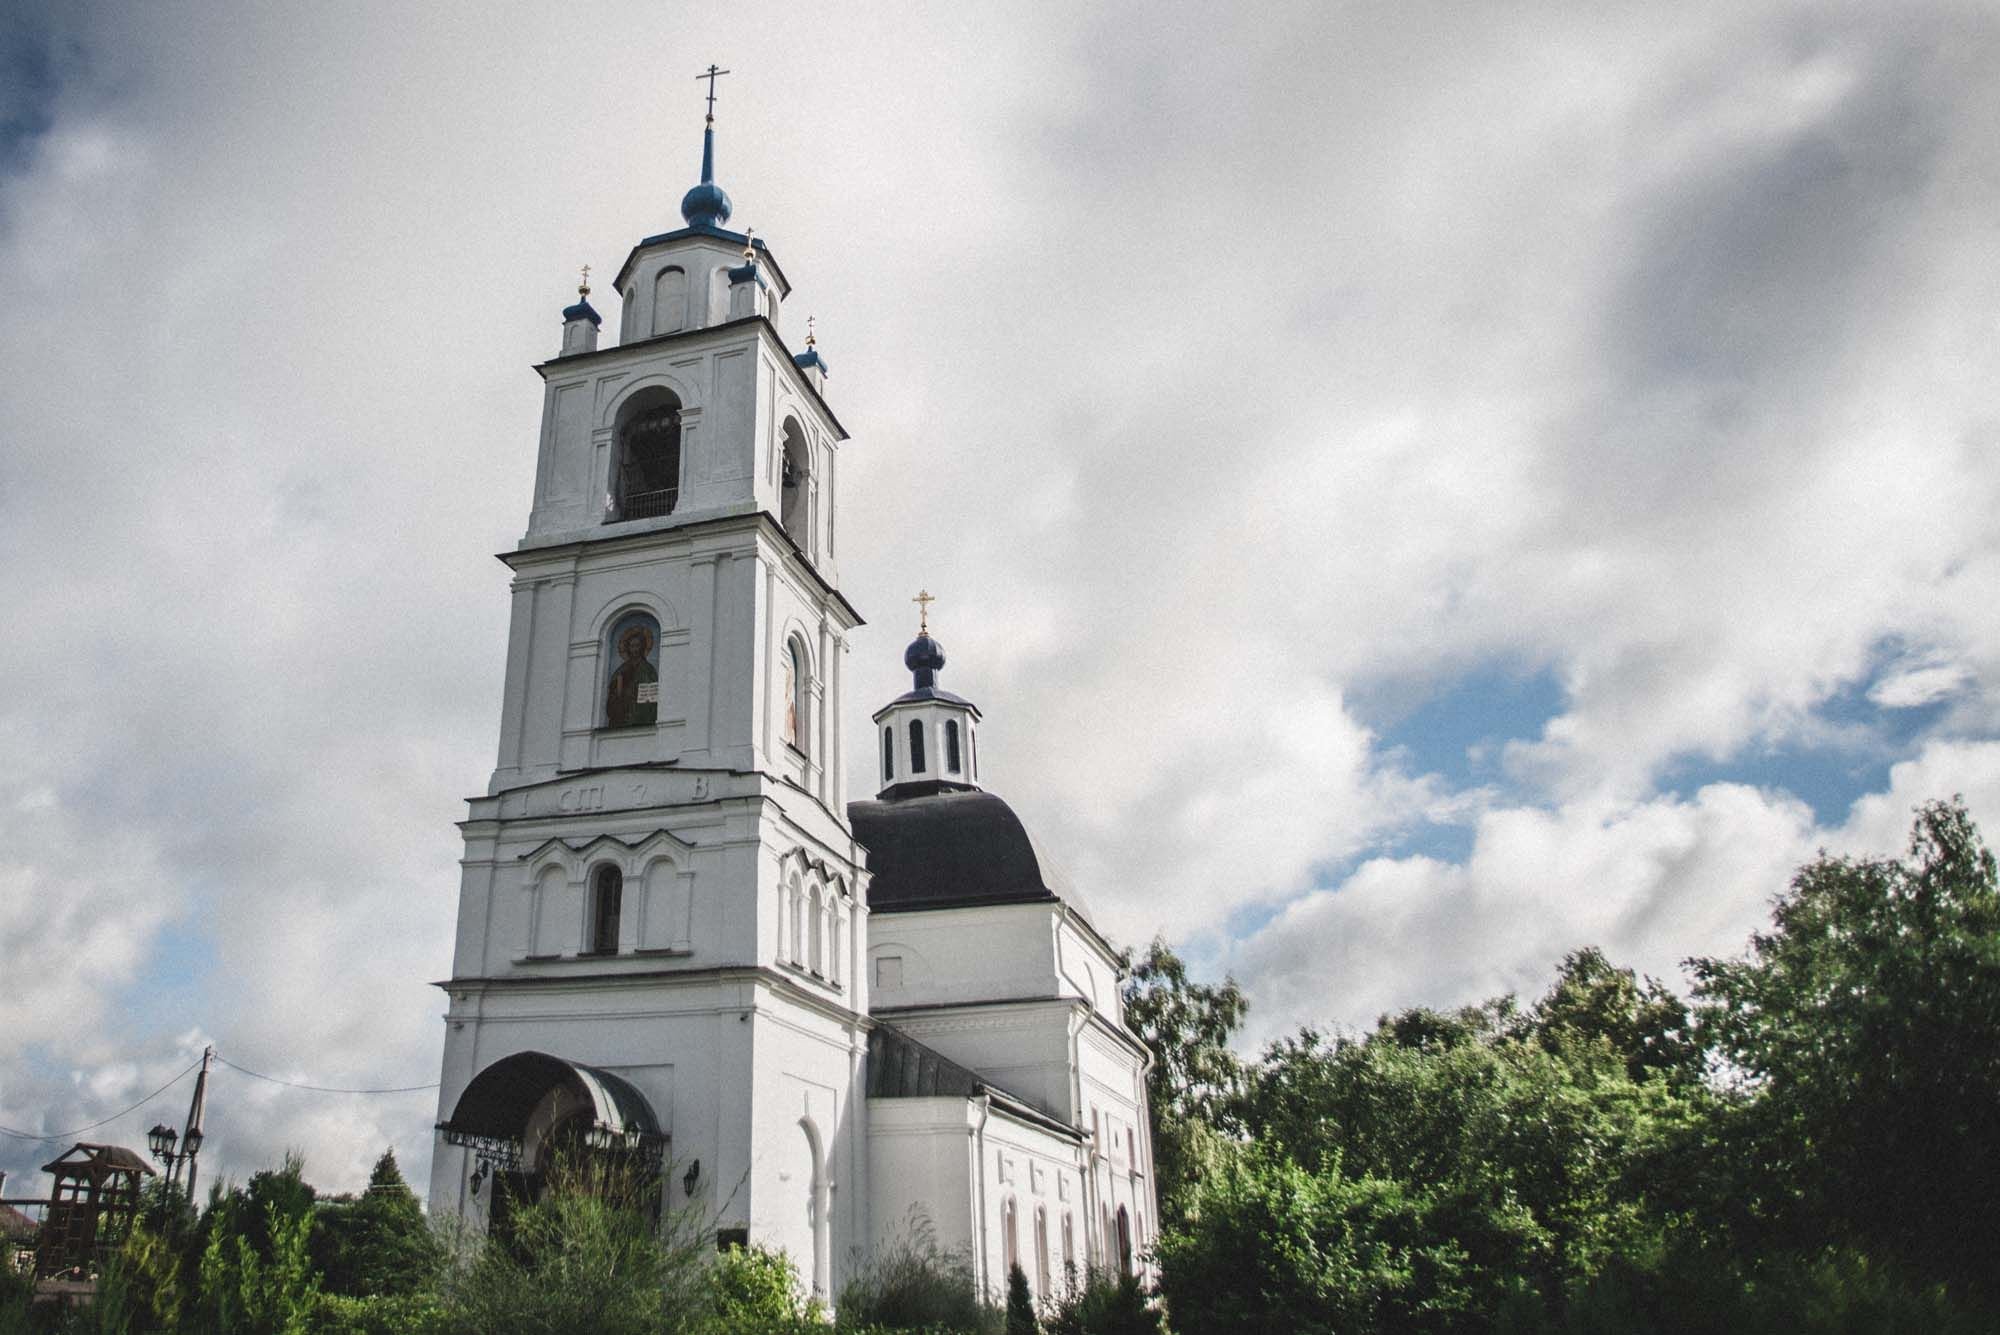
(191, 1139)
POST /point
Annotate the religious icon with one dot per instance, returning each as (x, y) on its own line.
(632, 698)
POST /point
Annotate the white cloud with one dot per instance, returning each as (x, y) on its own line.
(1918, 684)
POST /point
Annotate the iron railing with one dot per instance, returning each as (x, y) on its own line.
(646, 504)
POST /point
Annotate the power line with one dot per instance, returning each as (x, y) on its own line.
(319, 1089)
(65, 1135)
(18, 1134)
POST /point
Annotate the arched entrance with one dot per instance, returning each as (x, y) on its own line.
(530, 1114)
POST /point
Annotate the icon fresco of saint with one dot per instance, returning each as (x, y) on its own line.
(632, 696)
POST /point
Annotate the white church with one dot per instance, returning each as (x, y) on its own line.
(809, 1019)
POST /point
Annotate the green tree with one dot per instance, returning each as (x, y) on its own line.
(1195, 1076)
(1595, 1003)
(378, 1243)
(1528, 1157)
(1275, 1246)
(1865, 1026)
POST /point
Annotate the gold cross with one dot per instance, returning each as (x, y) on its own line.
(809, 333)
(712, 74)
(583, 288)
(923, 600)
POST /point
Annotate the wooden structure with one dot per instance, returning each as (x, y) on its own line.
(92, 1204)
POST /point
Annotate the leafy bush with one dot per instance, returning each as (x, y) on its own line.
(579, 1259)
(1102, 1303)
(912, 1285)
(386, 1314)
(756, 1291)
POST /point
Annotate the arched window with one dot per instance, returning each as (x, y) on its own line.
(972, 740)
(632, 681)
(951, 746)
(837, 920)
(1124, 1242)
(1041, 1251)
(798, 926)
(718, 295)
(794, 670)
(670, 301)
(794, 476)
(646, 464)
(785, 920)
(916, 746)
(606, 902)
(1010, 1234)
(1069, 1247)
(816, 926)
(888, 755)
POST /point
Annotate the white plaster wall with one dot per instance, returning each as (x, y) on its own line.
(954, 956)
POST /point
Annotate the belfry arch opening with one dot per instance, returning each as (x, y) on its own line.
(646, 457)
(795, 476)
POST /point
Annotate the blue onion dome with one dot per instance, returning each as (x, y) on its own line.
(707, 205)
(924, 657)
(582, 311)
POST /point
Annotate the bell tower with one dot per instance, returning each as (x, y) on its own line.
(662, 904)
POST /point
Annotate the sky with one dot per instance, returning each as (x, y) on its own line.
(1415, 489)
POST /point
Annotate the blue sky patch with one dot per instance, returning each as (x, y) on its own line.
(1459, 729)
(34, 62)
(1827, 773)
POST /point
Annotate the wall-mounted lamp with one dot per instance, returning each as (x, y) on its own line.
(692, 1178)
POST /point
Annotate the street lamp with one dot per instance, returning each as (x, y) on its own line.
(161, 1141)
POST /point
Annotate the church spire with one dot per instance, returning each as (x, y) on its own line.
(707, 205)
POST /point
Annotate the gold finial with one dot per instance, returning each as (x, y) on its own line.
(810, 342)
(923, 600)
(583, 288)
(750, 244)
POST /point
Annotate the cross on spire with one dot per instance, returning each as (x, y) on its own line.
(923, 600)
(583, 288)
(711, 75)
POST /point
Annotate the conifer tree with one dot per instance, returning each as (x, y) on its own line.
(1020, 1303)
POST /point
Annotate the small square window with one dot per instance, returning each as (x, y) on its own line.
(889, 972)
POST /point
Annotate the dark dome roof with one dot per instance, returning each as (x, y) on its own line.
(953, 848)
(924, 652)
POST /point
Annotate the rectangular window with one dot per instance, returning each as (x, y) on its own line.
(951, 745)
(888, 754)
(889, 972)
(916, 746)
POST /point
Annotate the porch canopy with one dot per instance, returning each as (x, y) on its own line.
(495, 1108)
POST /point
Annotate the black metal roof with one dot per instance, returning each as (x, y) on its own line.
(899, 1067)
(953, 848)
